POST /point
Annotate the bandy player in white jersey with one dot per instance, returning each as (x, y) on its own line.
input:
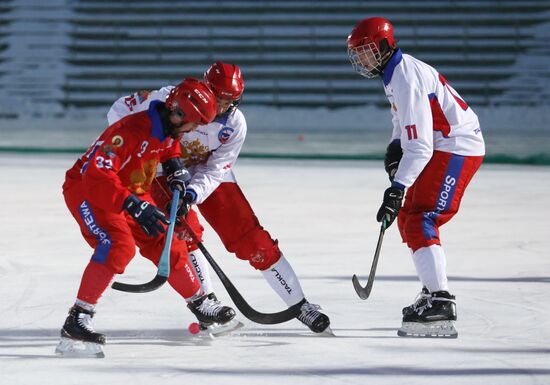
(436, 149)
(209, 154)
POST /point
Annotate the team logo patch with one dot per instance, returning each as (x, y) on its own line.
(225, 134)
(194, 153)
(117, 141)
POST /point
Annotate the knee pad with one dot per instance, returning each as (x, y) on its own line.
(120, 254)
(259, 250)
(421, 230)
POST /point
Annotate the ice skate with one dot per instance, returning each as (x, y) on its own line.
(210, 311)
(420, 301)
(218, 330)
(316, 321)
(78, 338)
(430, 316)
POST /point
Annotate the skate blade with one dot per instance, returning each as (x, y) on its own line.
(217, 330)
(70, 348)
(327, 333)
(436, 329)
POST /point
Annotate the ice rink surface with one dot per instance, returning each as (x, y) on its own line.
(322, 213)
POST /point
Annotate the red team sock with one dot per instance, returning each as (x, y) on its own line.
(180, 279)
(95, 280)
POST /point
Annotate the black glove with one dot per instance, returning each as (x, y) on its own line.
(146, 215)
(393, 199)
(393, 156)
(177, 176)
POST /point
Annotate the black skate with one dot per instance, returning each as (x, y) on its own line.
(432, 315)
(78, 338)
(420, 301)
(316, 321)
(210, 311)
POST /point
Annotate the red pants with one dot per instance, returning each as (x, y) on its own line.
(230, 215)
(114, 237)
(434, 198)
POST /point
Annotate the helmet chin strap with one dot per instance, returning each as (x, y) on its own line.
(385, 59)
(232, 107)
(171, 130)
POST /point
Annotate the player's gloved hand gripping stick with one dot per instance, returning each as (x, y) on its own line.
(164, 262)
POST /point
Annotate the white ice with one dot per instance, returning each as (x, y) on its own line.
(322, 213)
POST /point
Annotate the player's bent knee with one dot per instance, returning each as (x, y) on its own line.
(421, 231)
(120, 254)
(262, 258)
(401, 226)
(420, 243)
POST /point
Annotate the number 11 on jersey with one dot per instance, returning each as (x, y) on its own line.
(411, 131)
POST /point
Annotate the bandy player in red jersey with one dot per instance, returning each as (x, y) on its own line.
(108, 192)
(209, 153)
(436, 149)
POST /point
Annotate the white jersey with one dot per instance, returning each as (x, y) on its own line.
(427, 115)
(209, 152)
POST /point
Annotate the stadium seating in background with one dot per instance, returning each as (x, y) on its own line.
(292, 53)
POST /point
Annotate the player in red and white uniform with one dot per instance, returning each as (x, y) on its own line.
(108, 192)
(209, 153)
(436, 149)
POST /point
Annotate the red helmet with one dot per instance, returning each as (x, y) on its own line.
(194, 99)
(225, 80)
(370, 39)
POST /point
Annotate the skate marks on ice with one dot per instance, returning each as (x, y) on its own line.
(47, 341)
(258, 332)
(41, 343)
(531, 315)
(28, 343)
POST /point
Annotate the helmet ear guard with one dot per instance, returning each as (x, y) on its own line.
(385, 47)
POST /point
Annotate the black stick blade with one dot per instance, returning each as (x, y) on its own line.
(256, 316)
(157, 282)
(362, 292)
(243, 306)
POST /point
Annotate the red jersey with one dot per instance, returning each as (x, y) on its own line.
(123, 160)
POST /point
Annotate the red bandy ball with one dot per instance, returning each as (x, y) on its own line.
(194, 328)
